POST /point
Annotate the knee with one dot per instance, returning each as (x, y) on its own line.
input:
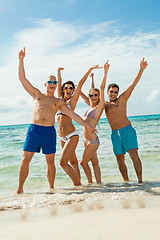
(62, 163)
(82, 163)
(25, 161)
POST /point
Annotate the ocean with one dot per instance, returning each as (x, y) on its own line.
(113, 188)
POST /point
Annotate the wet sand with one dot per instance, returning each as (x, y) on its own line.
(137, 218)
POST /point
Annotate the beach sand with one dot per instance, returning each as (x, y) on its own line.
(136, 219)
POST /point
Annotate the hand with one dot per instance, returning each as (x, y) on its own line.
(60, 68)
(22, 53)
(91, 75)
(143, 64)
(95, 66)
(106, 66)
(91, 129)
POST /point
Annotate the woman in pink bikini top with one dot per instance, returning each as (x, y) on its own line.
(96, 101)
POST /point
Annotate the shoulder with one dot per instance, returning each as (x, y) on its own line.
(106, 104)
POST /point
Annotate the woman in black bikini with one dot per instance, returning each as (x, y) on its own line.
(96, 101)
(68, 135)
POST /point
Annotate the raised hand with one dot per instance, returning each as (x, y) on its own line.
(60, 68)
(91, 75)
(22, 53)
(143, 64)
(106, 66)
(95, 67)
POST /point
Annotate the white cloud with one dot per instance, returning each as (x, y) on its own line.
(52, 44)
(154, 96)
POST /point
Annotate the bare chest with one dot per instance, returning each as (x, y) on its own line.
(45, 104)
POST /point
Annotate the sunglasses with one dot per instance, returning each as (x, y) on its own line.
(115, 92)
(50, 82)
(65, 88)
(95, 95)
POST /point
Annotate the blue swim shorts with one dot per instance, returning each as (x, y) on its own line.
(40, 137)
(124, 139)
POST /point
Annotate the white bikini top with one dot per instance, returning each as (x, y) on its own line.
(59, 111)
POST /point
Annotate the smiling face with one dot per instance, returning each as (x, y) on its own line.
(68, 91)
(93, 97)
(112, 93)
(51, 84)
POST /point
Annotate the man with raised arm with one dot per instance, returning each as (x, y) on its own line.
(41, 133)
(123, 135)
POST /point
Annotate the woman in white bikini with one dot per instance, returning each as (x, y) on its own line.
(68, 135)
(96, 101)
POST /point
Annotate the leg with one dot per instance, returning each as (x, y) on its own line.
(74, 164)
(96, 168)
(24, 169)
(67, 154)
(137, 163)
(51, 170)
(87, 156)
(122, 166)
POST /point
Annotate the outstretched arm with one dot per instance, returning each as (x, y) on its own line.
(75, 97)
(66, 110)
(103, 84)
(128, 91)
(59, 78)
(25, 83)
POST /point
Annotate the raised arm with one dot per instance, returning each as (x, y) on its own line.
(126, 94)
(85, 98)
(75, 97)
(25, 83)
(103, 84)
(59, 85)
(92, 80)
(66, 110)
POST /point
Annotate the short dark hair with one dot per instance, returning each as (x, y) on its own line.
(112, 85)
(68, 82)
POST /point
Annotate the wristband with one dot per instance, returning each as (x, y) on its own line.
(141, 70)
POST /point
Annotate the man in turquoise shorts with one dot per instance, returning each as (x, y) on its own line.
(41, 133)
(123, 135)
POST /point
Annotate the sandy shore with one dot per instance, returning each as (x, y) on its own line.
(100, 220)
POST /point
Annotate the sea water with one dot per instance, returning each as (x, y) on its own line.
(36, 186)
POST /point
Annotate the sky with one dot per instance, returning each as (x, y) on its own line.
(77, 34)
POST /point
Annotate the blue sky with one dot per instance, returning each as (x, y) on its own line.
(76, 35)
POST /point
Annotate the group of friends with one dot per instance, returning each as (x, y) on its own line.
(41, 133)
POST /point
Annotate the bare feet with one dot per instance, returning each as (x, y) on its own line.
(19, 191)
(78, 184)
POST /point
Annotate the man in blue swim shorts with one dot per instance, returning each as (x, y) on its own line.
(41, 133)
(123, 135)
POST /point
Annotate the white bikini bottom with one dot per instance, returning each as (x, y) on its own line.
(64, 139)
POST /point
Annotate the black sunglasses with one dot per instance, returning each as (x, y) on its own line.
(65, 88)
(95, 95)
(111, 91)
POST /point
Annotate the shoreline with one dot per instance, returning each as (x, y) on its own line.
(136, 218)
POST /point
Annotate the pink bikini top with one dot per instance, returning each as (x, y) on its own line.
(90, 114)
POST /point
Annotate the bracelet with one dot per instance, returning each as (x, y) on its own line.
(141, 70)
